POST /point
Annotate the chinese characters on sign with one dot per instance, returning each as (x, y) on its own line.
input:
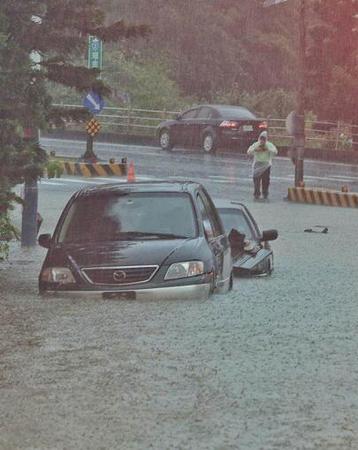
(95, 52)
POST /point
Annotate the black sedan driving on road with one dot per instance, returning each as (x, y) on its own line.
(138, 240)
(210, 127)
(251, 251)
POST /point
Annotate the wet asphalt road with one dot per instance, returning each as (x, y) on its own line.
(272, 365)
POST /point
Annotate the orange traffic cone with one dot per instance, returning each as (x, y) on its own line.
(131, 173)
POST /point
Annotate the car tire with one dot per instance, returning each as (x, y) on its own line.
(165, 140)
(209, 142)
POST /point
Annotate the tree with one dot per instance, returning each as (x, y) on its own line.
(57, 31)
(333, 60)
(210, 45)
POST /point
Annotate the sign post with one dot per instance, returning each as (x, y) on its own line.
(94, 103)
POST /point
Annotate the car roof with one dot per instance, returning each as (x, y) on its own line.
(141, 186)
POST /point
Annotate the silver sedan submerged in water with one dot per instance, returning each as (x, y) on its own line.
(251, 252)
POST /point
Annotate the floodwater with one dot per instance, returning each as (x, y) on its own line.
(271, 365)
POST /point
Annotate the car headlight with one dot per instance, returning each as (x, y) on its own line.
(184, 270)
(60, 275)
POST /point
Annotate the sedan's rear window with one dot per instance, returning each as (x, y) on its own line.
(239, 113)
(235, 218)
(131, 216)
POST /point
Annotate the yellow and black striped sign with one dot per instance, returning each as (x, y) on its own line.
(95, 169)
(326, 197)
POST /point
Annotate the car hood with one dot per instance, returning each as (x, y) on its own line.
(127, 253)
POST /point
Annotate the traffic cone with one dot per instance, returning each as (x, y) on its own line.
(131, 173)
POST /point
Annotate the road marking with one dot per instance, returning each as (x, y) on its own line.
(335, 178)
(346, 177)
(52, 183)
(97, 180)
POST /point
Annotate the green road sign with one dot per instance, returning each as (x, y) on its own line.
(95, 52)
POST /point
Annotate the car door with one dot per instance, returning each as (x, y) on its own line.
(217, 240)
(205, 119)
(184, 128)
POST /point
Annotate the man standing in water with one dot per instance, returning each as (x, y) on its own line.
(262, 152)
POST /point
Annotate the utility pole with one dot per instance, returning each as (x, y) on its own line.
(298, 116)
(29, 221)
(30, 198)
(299, 138)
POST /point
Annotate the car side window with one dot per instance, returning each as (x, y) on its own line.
(191, 114)
(209, 229)
(205, 113)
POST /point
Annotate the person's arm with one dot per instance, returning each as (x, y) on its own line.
(251, 149)
(272, 149)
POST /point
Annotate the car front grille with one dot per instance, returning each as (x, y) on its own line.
(119, 275)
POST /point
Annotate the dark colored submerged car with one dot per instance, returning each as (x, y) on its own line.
(211, 126)
(251, 251)
(141, 240)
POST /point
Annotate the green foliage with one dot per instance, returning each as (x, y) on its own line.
(146, 81)
(332, 60)
(7, 233)
(209, 45)
(54, 169)
(270, 103)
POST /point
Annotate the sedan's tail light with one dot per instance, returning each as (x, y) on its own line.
(263, 125)
(229, 124)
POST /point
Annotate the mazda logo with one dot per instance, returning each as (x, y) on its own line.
(119, 275)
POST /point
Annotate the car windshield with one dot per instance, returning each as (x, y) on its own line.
(113, 217)
(235, 218)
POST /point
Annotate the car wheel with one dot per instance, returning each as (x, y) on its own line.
(165, 140)
(209, 142)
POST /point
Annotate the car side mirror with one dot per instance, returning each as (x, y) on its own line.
(269, 235)
(45, 240)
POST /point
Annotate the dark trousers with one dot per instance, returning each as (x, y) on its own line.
(263, 181)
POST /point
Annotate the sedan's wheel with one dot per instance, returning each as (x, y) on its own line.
(209, 143)
(164, 140)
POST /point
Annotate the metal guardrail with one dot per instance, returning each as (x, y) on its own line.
(332, 135)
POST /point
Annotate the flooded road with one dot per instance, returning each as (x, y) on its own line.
(271, 365)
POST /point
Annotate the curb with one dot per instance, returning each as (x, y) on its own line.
(94, 169)
(319, 196)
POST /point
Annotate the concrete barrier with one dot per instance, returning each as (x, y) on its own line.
(320, 196)
(94, 169)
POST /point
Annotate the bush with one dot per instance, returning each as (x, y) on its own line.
(7, 233)
(54, 169)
